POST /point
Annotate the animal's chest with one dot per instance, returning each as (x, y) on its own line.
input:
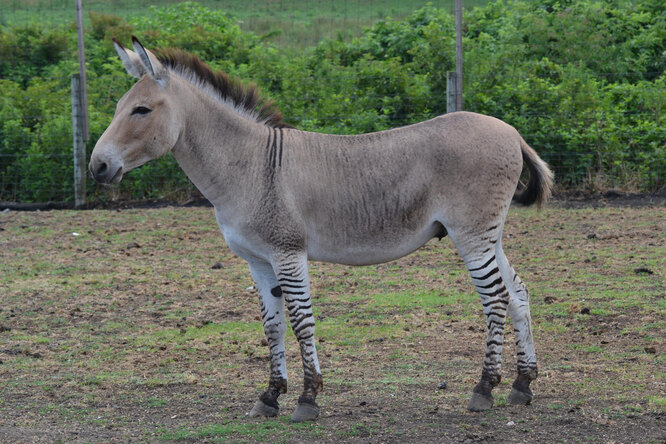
(244, 242)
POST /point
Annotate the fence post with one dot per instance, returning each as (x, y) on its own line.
(83, 95)
(79, 144)
(451, 91)
(459, 57)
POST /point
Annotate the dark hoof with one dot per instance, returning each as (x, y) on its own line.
(305, 412)
(479, 402)
(261, 409)
(516, 397)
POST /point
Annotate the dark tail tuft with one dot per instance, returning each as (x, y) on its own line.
(539, 187)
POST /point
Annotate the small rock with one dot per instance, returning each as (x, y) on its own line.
(442, 385)
(585, 311)
(510, 423)
(362, 403)
(382, 339)
(250, 288)
(217, 266)
(132, 245)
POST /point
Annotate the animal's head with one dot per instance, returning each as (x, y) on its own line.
(145, 125)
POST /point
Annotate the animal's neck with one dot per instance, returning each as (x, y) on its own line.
(219, 149)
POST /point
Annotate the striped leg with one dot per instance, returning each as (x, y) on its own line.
(275, 326)
(292, 274)
(519, 311)
(495, 299)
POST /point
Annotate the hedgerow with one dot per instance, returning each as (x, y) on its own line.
(583, 81)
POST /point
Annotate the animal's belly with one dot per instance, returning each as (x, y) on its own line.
(371, 249)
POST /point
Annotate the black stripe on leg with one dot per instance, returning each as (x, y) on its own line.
(490, 273)
(295, 281)
(497, 281)
(484, 265)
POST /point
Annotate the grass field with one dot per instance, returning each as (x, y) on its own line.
(115, 328)
(298, 23)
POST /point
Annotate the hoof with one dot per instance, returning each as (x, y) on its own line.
(305, 412)
(261, 409)
(479, 402)
(516, 397)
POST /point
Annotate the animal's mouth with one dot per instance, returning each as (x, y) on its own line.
(117, 177)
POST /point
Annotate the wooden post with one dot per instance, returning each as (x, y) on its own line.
(459, 56)
(451, 91)
(82, 71)
(79, 144)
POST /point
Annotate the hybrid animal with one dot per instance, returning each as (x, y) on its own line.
(284, 196)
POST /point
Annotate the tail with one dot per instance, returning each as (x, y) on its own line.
(539, 187)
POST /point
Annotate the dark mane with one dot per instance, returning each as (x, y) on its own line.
(245, 97)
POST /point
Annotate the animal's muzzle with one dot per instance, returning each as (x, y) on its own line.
(105, 172)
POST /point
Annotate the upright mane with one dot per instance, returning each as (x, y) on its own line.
(245, 99)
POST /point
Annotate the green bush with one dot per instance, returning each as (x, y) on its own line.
(583, 81)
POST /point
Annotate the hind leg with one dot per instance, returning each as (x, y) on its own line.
(519, 311)
(478, 253)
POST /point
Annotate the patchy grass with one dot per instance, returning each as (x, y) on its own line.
(124, 332)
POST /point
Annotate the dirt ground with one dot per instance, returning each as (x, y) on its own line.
(116, 327)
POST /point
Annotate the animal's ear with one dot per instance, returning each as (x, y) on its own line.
(130, 60)
(153, 67)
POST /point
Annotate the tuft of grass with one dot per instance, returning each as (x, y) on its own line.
(262, 431)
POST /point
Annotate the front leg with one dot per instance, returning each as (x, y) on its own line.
(292, 274)
(275, 326)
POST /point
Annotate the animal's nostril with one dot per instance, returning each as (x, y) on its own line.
(102, 169)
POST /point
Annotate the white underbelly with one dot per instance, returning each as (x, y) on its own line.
(372, 251)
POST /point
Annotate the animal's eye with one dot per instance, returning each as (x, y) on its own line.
(141, 110)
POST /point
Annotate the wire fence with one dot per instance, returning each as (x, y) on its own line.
(300, 23)
(44, 168)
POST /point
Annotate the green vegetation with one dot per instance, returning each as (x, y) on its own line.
(583, 82)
